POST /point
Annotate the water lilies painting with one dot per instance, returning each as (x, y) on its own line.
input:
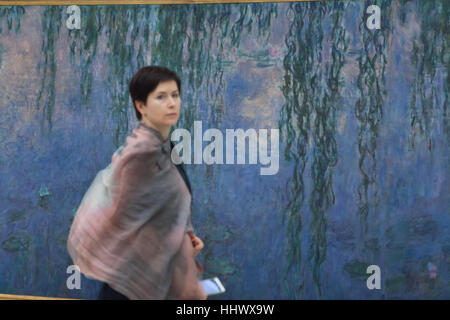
(362, 112)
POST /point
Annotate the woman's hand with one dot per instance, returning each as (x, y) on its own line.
(196, 242)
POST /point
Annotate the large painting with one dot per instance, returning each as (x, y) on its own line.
(349, 99)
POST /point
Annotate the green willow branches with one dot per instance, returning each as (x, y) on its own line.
(325, 152)
(309, 113)
(84, 47)
(126, 44)
(134, 35)
(369, 107)
(51, 20)
(294, 123)
(430, 52)
(10, 17)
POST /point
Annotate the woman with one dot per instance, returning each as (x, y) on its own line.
(132, 230)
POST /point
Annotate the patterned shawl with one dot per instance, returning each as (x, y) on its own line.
(130, 229)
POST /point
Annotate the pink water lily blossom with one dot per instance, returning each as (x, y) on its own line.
(273, 52)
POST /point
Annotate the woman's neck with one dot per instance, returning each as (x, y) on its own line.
(163, 131)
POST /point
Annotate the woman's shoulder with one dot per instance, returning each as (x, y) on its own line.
(140, 144)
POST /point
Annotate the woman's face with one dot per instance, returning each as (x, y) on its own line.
(162, 108)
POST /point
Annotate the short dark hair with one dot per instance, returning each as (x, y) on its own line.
(146, 80)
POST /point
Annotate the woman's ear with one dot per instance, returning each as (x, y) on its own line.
(140, 106)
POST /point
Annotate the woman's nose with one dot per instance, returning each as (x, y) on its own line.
(171, 101)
